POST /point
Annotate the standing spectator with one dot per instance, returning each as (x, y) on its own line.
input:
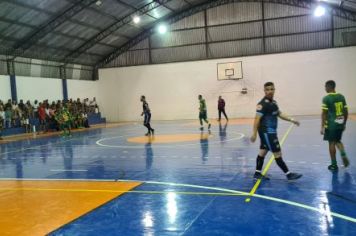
(15, 114)
(35, 109)
(25, 121)
(42, 117)
(2, 117)
(21, 106)
(8, 116)
(221, 108)
(29, 109)
(2, 120)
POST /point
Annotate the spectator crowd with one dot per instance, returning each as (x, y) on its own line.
(46, 116)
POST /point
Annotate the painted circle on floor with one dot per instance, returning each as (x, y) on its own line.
(169, 138)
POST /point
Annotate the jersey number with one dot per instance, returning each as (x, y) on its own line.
(339, 108)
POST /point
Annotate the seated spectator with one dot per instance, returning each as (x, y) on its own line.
(42, 117)
(92, 105)
(8, 117)
(2, 117)
(2, 121)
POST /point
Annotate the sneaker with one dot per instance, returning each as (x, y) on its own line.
(293, 176)
(209, 125)
(147, 134)
(258, 175)
(333, 167)
(153, 131)
(345, 161)
(202, 128)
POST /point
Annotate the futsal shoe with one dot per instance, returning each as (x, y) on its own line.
(258, 176)
(293, 176)
(153, 132)
(147, 134)
(202, 128)
(209, 125)
(333, 167)
(345, 161)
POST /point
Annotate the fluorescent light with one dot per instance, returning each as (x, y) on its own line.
(136, 19)
(319, 11)
(98, 3)
(162, 29)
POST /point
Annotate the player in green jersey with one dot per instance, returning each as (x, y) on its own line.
(203, 116)
(333, 123)
(64, 119)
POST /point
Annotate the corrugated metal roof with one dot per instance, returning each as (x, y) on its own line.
(88, 31)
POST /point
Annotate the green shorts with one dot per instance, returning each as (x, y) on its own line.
(333, 135)
(203, 115)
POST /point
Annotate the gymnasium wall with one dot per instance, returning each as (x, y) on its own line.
(82, 89)
(172, 89)
(5, 91)
(36, 88)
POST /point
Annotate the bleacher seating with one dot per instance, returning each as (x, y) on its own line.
(93, 118)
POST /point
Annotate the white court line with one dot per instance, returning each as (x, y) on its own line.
(69, 170)
(99, 142)
(274, 199)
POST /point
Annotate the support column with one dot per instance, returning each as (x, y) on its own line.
(11, 71)
(62, 74)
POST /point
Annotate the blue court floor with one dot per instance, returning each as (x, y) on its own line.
(196, 187)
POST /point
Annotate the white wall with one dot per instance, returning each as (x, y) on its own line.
(172, 89)
(5, 89)
(35, 88)
(82, 89)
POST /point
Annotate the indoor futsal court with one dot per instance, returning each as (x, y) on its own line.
(182, 181)
(177, 117)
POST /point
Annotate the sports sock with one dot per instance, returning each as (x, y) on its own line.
(259, 162)
(282, 164)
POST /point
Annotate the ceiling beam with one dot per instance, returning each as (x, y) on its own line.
(112, 28)
(52, 24)
(134, 8)
(211, 4)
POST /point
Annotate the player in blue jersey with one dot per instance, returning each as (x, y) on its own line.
(266, 122)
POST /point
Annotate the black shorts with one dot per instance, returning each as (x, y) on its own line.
(333, 135)
(269, 142)
(147, 118)
(203, 115)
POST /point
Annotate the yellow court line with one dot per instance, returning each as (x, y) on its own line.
(121, 191)
(258, 182)
(226, 192)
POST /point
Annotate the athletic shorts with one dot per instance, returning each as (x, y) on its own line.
(333, 135)
(269, 142)
(203, 115)
(147, 118)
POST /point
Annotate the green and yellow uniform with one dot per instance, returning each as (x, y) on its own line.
(202, 109)
(335, 105)
(64, 119)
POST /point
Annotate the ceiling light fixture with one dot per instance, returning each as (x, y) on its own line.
(136, 19)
